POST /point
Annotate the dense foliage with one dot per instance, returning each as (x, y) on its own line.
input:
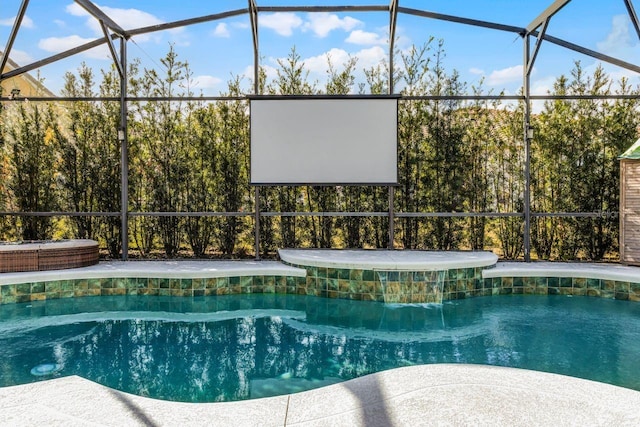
(458, 160)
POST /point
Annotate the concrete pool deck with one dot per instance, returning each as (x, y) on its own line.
(441, 394)
(438, 394)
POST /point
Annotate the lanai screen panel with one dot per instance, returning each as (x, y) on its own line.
(324, 140)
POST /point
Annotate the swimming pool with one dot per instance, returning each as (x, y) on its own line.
(240, 347)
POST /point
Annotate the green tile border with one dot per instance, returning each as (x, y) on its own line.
(195, 287)
(367, 285)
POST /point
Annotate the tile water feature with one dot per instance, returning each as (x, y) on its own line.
(392, 276)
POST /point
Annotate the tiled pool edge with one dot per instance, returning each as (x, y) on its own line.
(152, 286)
(609, 281)
(360, 284)
(574, 286)
(400, 286)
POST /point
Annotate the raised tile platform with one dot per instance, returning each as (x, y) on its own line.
(391, 276)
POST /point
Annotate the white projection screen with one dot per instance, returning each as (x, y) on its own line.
(324, 140)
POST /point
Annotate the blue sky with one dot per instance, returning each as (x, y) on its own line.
(217, 50)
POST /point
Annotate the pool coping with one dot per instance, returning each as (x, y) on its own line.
(377, 282)
(176, 269)
(383, 259)
(438, 394)
(227, 268)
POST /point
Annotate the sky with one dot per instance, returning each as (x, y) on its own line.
(218, 50)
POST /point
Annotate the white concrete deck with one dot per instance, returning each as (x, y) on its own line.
(455, 395)
(181, 269)
(388, 260)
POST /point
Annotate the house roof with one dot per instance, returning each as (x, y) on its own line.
(633, 152)
(28, 85)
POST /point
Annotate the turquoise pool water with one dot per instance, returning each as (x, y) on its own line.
(248, 346)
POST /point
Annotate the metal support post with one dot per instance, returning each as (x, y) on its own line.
(527, 151)
(124, 154)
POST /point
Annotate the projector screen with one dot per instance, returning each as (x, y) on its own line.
(324, 140)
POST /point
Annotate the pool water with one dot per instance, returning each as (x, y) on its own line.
(239, 347)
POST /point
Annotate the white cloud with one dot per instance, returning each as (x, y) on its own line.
(323, 23)
(206, 82)
(248, 72)
(20, 57)
(370, 57)
(240, 25)
(26, 22)
(319, 64)
(506, 75)
(221, 30)
(476, 71)
(619, 36)
(367, 58)
(61, 44)
(283, 23)
(365, 38)
(126, 18)
(543, 86)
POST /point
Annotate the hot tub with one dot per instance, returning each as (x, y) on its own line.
(47, 255)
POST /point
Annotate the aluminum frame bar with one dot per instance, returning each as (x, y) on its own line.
(373, 8)
(393, 18)
(546, 15)
(253, 15)
(97, 13)
(186, 22)
(600, 214)
(112, 49)
(124, 154)
(12, 35)
(633, 16)
(461, 20)
(589, 52)
(54, 58)
(536, 48)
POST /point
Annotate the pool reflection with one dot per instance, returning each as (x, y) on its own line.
(241, 347)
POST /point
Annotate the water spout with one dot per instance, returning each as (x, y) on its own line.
(415, 287)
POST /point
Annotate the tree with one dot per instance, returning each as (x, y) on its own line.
(160, 133)
(32, 134)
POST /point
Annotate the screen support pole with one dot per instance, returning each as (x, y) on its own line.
(257, 221)
(391, 217)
